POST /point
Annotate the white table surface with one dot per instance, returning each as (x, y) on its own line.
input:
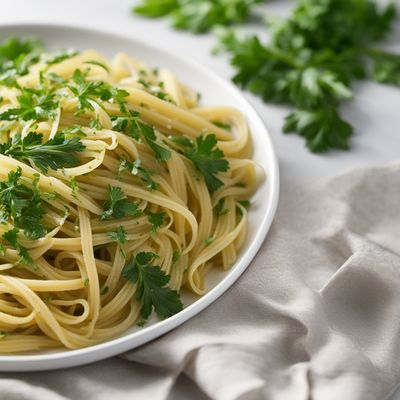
(375, 111)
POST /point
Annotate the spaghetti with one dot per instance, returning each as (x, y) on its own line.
(152, 182)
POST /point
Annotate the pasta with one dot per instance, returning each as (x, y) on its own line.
(112, 175)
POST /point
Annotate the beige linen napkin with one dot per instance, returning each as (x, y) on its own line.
(315, 316)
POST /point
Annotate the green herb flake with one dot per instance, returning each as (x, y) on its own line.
(104, 290)
(220, 210)
(58, 56)
(74, 186)
(176, 256)
(209, 240)
(98, 64)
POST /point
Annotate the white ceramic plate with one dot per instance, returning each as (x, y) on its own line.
(215, 91)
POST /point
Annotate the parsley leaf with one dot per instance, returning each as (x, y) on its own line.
(220, 209)
(34, 104)
(127, 124)
(198, 15)
(206, 157)
(88, 91)
(23, 205)
(58, 56)
(322, 128)
(16, 56)
(152, 291)
(98, 64)
(118, 205)
(386, 67)
(11, 237)
(56, 153)
(131, 125)
(119, 236)
(156, 219)
(136, 169)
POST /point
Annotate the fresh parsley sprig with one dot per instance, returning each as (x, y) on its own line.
(206, 157)
(197, 15)
(58, 152)
(310, 63)
(152, 291)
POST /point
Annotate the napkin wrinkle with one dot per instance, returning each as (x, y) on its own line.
(14, 389)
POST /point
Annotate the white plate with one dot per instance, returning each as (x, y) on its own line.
(215, 91)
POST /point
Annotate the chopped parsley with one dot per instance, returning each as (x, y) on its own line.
(222, 125)
(155, 90)
(11, 237)
(209, 240)
(23, 206)
(152, 291)
(34, 104)
(156, 219)
(176, 256)
(16, 56)
(118, 205)
(104, 290)
(245, 203)
(220, 209)
(206, 157)
(136, 169)
(58, 56)
(118, 236)
(74, 186)
(88, 92)
(98, 64)
(131, 125)
(56, 153)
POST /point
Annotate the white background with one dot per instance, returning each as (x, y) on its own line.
(375, 111)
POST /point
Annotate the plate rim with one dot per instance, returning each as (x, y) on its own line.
(113, 347)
